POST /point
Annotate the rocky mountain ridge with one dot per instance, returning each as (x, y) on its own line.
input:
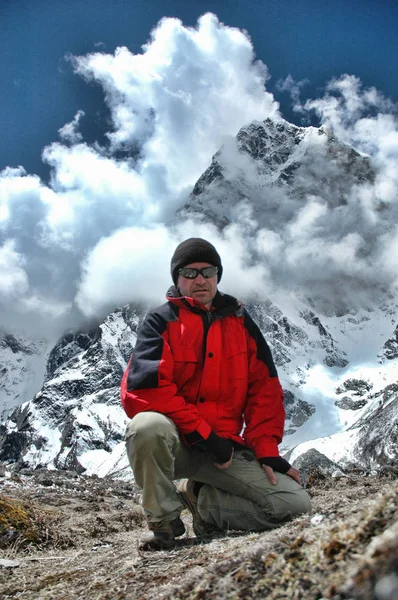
(77, 415)
(76, 420)
(78, 408)
(22, 369)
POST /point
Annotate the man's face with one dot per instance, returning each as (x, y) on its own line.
(201, 289)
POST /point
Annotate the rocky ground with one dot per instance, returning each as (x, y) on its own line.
(67, 536)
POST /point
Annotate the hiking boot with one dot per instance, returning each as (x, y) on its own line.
(161, 535)
(185, 488)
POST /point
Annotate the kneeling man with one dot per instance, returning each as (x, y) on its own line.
(206, 404)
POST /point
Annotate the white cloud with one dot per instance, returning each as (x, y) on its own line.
(21, 305)
(103, 231)
(305, 222)
(389, 256)
(13, 278)
(70, 131)
(188, 89)
(294, 89)
(131, 263)
(134, 263)
(95, 194)
(172, 106)
(16, 189)
(46, 308)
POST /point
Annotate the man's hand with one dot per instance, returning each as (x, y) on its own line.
(271, 464)
(226, 464)
(292, 472)
(221, 448)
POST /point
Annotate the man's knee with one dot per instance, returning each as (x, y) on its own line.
(291, 500)
(146, 427)
(302, 502)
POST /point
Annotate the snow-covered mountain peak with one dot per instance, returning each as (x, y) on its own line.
(277, 141)
(273, 160)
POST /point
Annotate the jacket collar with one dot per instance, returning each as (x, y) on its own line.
(223, 304)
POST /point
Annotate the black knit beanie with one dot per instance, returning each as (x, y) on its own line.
(194, 250)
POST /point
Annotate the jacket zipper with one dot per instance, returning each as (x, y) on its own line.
(207, 321)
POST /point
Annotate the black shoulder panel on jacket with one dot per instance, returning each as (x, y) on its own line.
(143, 372)
(263, 350)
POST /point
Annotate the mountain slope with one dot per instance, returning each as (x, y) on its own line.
(84, 533)
(76, 419)
(321, 346)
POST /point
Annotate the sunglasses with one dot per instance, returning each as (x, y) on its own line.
(191, 273)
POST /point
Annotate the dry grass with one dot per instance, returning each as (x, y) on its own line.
(345, 552)
(24, 525)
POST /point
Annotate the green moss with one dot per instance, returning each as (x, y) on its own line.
(26, 524)
(14, 521)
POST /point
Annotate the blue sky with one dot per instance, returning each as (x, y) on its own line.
(307, 39)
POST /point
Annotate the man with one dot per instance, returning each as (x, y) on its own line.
(201, 372)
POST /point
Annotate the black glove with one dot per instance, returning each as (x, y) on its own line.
(220, 447)
(277, 463)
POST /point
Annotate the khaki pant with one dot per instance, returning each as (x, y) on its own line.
(240, 497)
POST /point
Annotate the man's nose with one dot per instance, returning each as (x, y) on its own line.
(200, 278)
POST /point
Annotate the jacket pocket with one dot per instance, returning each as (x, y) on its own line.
(186, 369)
(237, 365)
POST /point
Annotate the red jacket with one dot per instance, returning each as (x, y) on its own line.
(207, 371)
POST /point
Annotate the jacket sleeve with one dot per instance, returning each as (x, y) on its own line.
(147, 383)
(264, 412)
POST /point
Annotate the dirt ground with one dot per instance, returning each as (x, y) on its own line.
(65, 536)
